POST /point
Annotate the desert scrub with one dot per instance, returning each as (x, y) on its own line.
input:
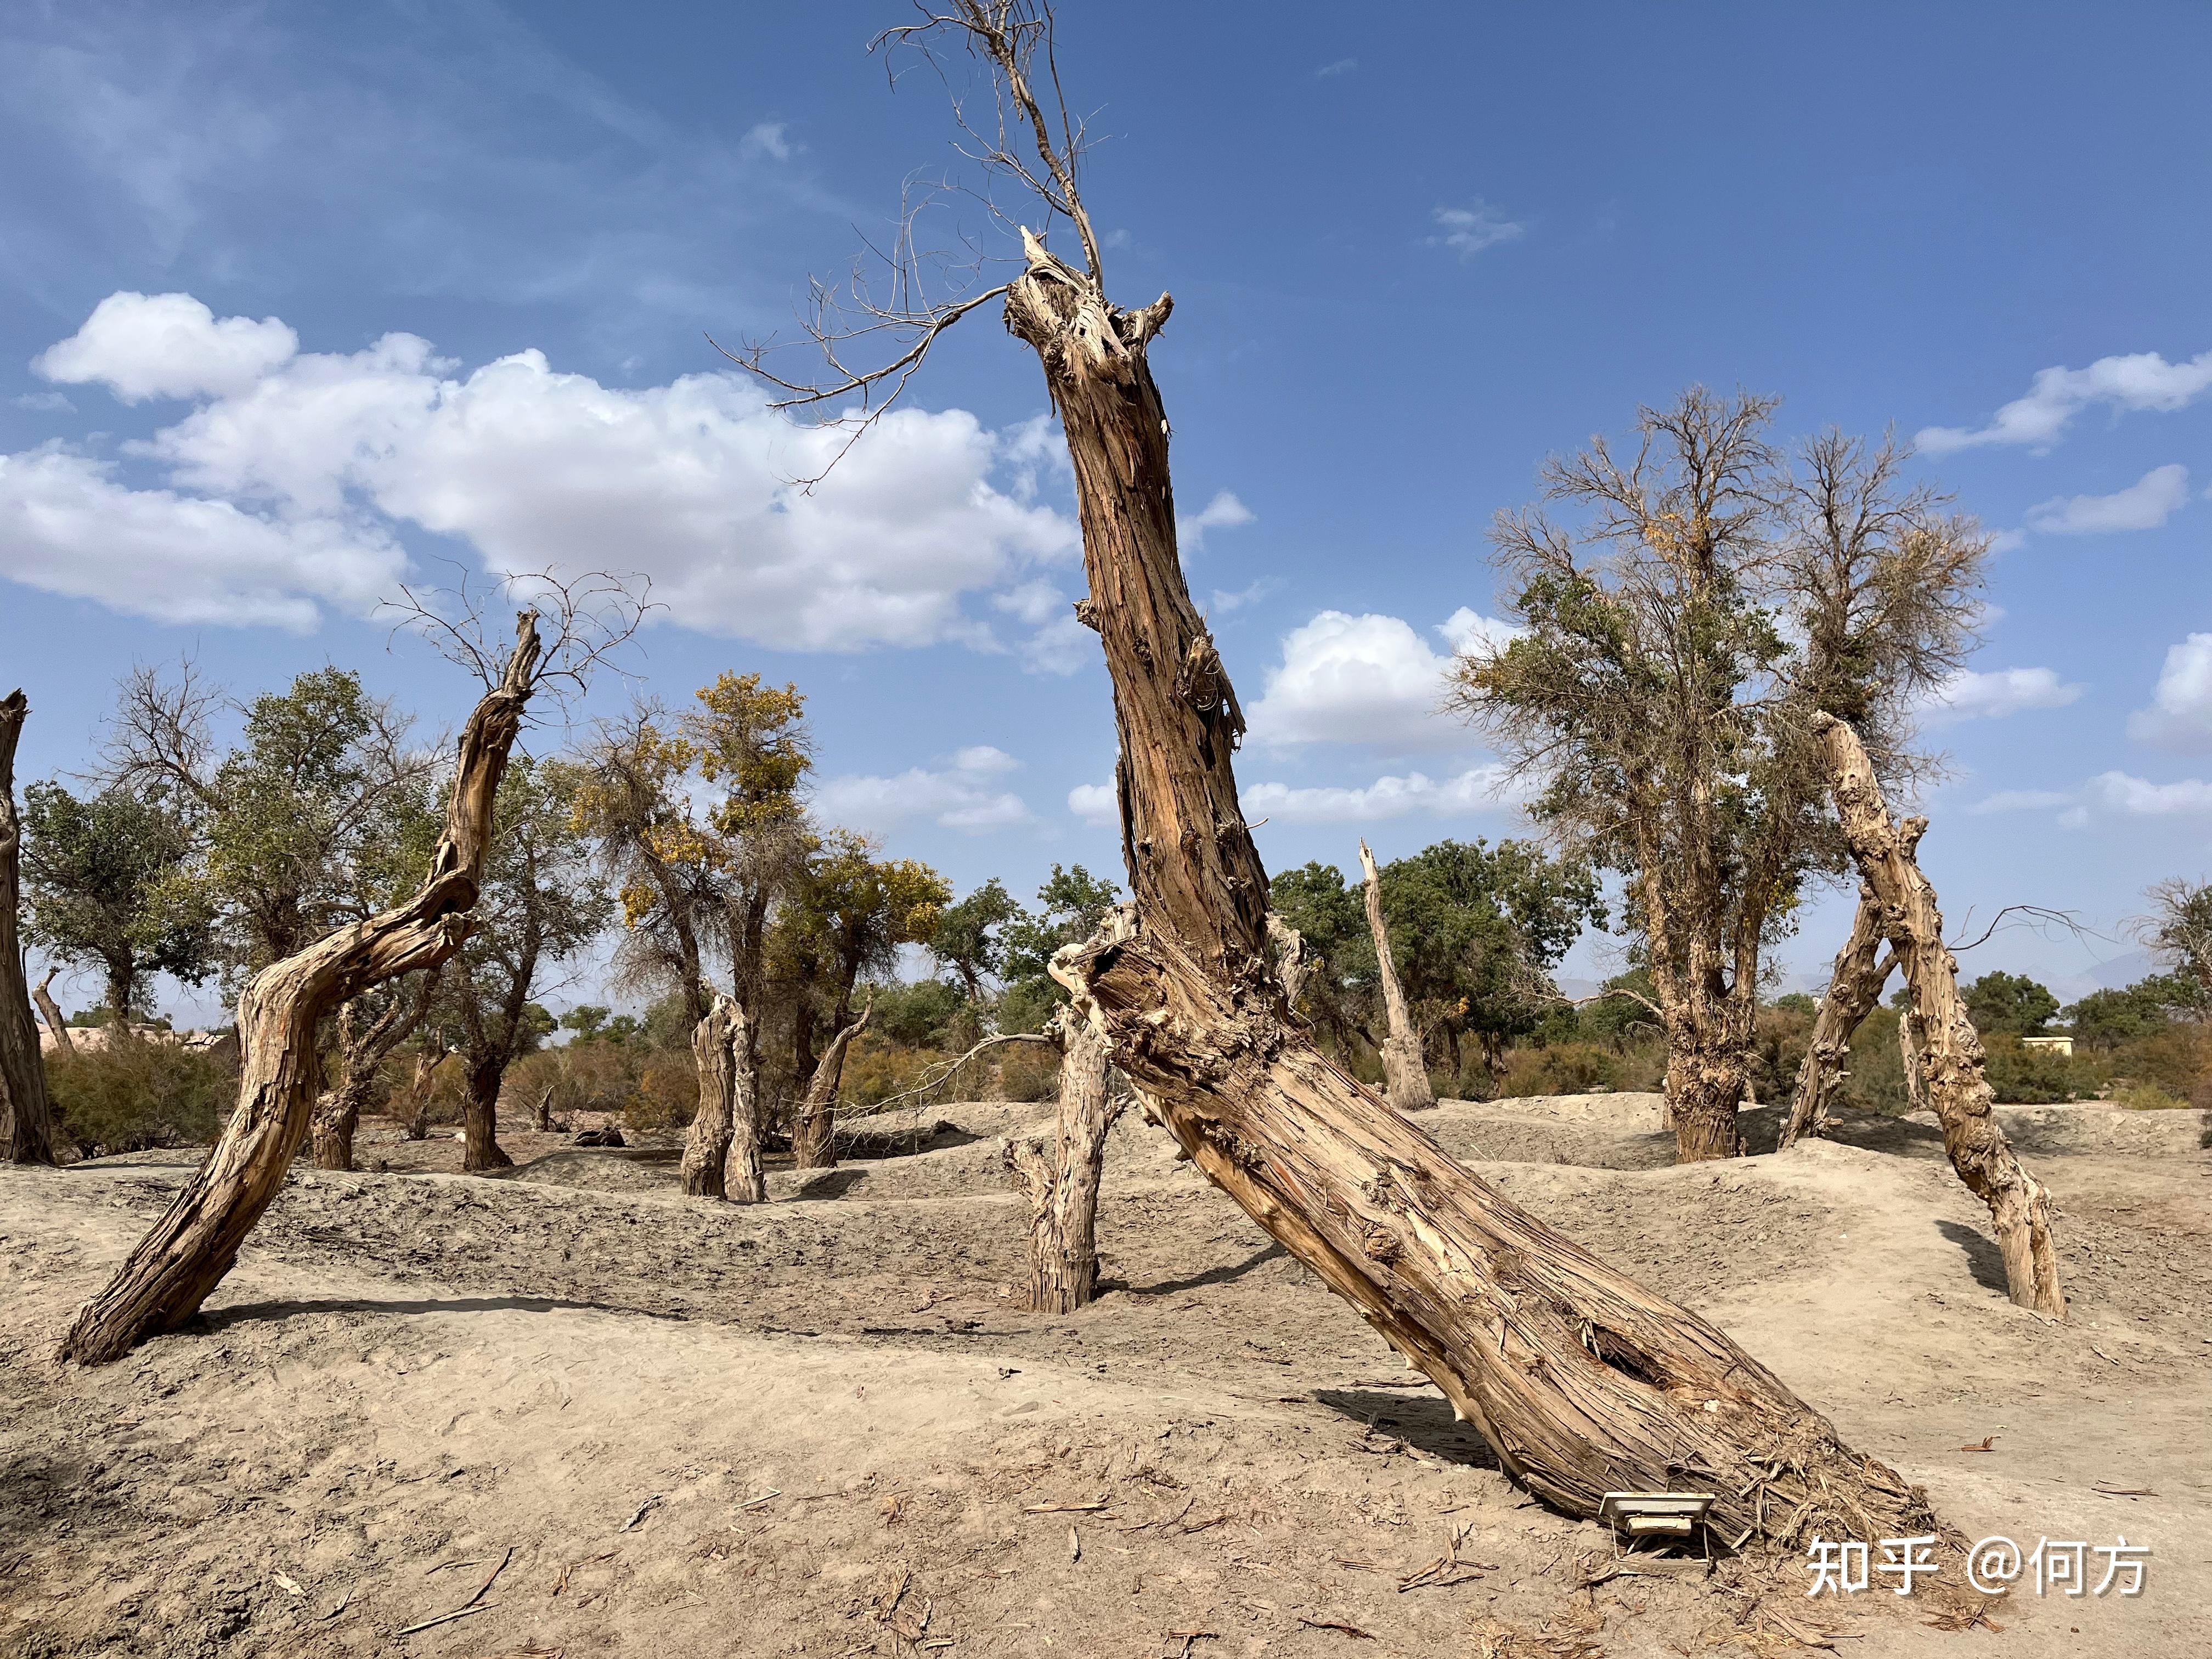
(1029, 1072)
(1564, 1068)
(135, 1094)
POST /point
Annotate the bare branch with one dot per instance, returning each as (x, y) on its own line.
(584, 620)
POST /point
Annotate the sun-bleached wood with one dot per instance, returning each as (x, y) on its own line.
(813, 1133)
(1954, 1065)
(707, 1145)
(1061, 1177)
(1404, 1067)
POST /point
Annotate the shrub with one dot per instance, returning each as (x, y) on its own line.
(1029, 1072)
(666, 1097)
(134, 1095)
(1566, 1068)
(2145, 1097)
(2036, 1077)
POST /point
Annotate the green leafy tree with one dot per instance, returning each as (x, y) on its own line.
(967, 940)
(1070, 905)
(2106, 1019)
(2009, 1004)
(105, 886)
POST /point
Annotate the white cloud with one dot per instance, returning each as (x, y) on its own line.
(2021, 800)
(44, 403)
(2181, 712)
(2141, 380)
(1468, 231)
(1994, 694)
(687, 483)
(1365, 679)
(1221, 601)
(1223, 512)
(1341, 66)
(1479, 789)
(1094, 803)
(766, 138)
(960, 796)
(2117, 791)
(2144, 505)
(68, 527)
(166, 345)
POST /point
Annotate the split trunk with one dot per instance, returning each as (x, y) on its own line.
(814, 1133)
(51, 1011)
(708, 1143)
(1954, 1068)
(361, 1054)
(164, 1280)
(26, 1117)
(1062, 1178)
(1582, 1381)
(1854, 988)
(1405, 1066)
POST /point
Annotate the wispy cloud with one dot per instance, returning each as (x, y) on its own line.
(766, 138)
(2144, 505)
(1223, 512)
(2141, 381)
(960, 796)
(1341, 66)
(1469, 230)
(1993, 695)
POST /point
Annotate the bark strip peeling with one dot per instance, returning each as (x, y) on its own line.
(1582, 1380)
(1953, 1062)
(175, 1266)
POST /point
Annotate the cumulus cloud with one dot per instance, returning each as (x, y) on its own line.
(2144, 505)
(1223, 512)
(2141, 381)
(2108, 795)
(1469, 230)
(2022, 800)
(1368, 679)
(1994, 694)
(1094, 803)
(961, 796)
(2181, 712)
(766, 138)
(685, 483)
(166, 345)
(1479, 789)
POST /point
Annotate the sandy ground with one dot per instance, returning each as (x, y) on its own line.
(606, 1420)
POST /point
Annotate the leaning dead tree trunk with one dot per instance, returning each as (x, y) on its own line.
(1404, 1067)
(362, 1052)
(1954, 1064)
(27, 1116)
(164, 1280)
(1854, 986)
(417, 1121)
(1582, 1380)
(1061, 1179)
(541, 1114)
(51, 1011)
(813, 1134)
(707, 1145)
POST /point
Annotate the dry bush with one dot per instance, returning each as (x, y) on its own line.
(135, 1094)
(1029, 1072)
(666, 1096)
(1562, 1068)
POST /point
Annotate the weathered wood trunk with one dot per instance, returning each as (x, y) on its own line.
(813, 1133)
(481, 1150)
(361, 1052)
(541, 1114)
(1294, 965)
(417, 1121)
(52, 1013)
(1062, 1178)
(1953, 1063)
(1582, 1380)
(27, 1116)
(1854, 988)
(743, 1180)
(163, 1281)
(1908, 1055)
(707, 1145)
(1705, 1092)
(1405, 1066)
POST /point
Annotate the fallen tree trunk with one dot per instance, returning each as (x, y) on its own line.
(361, 1052)
(1061, 1179)
(1854, 988)
(813, 1134)
(26, 1115)
(1405, 1066)
(1582, 1380)
(707, 1145)
(1954, 1065)
(164, 1280)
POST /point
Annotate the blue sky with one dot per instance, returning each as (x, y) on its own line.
(473, 254)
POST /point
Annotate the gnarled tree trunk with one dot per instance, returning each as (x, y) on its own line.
(1062, 1178)
(480, 1149)
(1908, 1055)
(417, 1122)
(1584, 1381)
(1704, 1092)
(361, 1052)
(1405, 1066)
(52, 1013)
(1954, 1064)
(707, 1145)
(27, 1116)
(813, 1133)
(1294, 965)
(175, 1267)
(743, 1180)
(1854, 988)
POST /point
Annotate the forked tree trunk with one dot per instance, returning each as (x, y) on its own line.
(52, 1013)
(1062, 1178)
(1951, 1050)
(1405, 1066)
(706, 1143)
(361, 1054)
(27, 1116)
(814, 1132)
(480, 1150)
(163, 1281)
(1854, 988)
(417, 1124)
(1582, 1381)
(743, 1180)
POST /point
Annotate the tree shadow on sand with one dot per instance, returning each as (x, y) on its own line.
(1423, 1421)
(255, 1313)
(1983, 1256)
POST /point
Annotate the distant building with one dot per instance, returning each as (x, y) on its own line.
(2057, 1045)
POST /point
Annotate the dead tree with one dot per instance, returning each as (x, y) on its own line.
(51, 1011)
(1582, 1380)
(1908, 1056)
(27, 1116)
(1293, 963)
(813, 1131)
(541, 1114)
(173, 1269)
(1958, 1086)
(1854, 986)
(1405, 1066)
(362, 1051)
(1062, 1178)
(706, 1143)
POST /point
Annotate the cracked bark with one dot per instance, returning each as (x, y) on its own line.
(1404, 1067)
(1582, 1380)
(1062, 1178)
(1854, 988)
(1954, 1065)
(162, 1283)
(813, 1133)
(26, 1115)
